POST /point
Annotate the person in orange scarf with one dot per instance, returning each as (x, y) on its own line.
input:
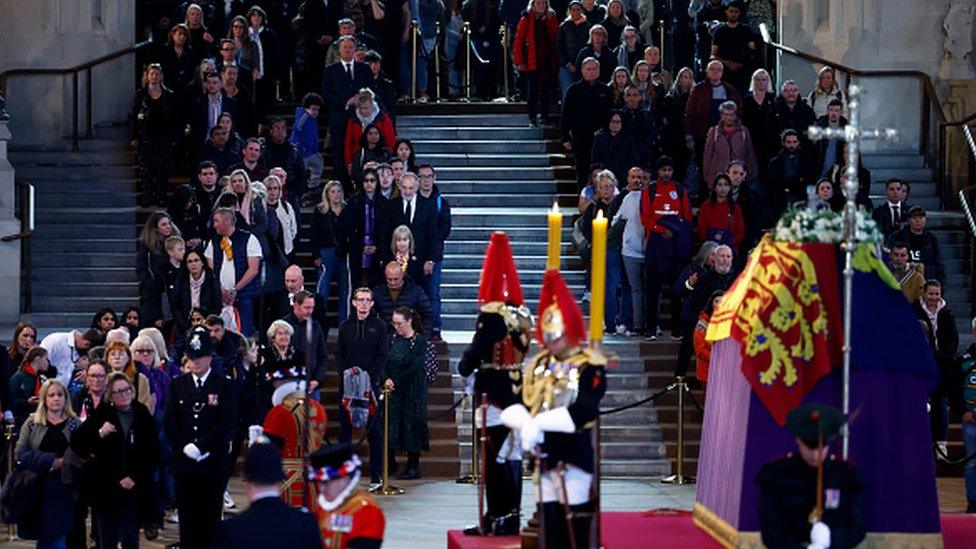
(703, 348)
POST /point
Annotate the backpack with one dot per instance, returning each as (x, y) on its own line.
(358, 400)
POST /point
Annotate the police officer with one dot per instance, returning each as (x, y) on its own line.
(501, 339)
(199, 421)
(790, 514)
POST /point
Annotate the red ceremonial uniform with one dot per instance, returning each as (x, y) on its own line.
(282, 422)
(358, 518)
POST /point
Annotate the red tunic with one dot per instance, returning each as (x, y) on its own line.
(359, 517)
(282, 422)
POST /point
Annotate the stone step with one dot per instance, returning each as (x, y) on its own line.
(466, 120)
(86, 259)
(472, 133)
(920, 174)
(516, 233)
(511, 199)
(519, 247)
(428, 144)
(56, 199)
(503, 217)
(521, 262)
(874, 161)
(85, 304)
(444, 159)
(612, 450)
(22, 159)
(634, 468)
(501, 188)
(71, 216)
(88, 173)
(87, 245)
(920, 189)
(51, 185)
(92, 289)
(628, 433)
(105, 275)
(462, 276)
(492, 173)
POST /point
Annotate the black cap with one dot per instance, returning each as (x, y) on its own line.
(664, 161)
(372, 56)
(198, 343)
(331, 455)
(262, 465)
(807, 420)
(915, 211)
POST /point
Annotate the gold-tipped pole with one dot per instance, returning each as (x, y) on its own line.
(679, 477)
(472, 478)
(385, 489)
(437, 63)
(413, 60)
(505, 60)
(466, 31)
(8, 435)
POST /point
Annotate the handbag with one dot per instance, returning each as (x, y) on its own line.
(430, 362)
(231, 318)
(21, 492)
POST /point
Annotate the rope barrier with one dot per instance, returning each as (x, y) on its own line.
(639, 402)
(945, 457)
(453, 407)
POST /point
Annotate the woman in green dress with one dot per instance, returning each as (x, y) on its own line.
(404, 375)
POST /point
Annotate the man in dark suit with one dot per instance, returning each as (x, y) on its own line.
(320, 20)
(892, 214)
(206, 108)
(790, 173)
(293, 529)
(340, 83)
(278, 304)
(303, 304)
(420, 215)
(199, 420)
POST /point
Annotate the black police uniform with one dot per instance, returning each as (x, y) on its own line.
(788, 491)
(502, 384)
(203, 416)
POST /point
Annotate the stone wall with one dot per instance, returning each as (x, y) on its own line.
(60, 34)
(933, 36)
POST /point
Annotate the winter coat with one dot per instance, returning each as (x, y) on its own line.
(526, 50)
(408, 401)
(722, 147)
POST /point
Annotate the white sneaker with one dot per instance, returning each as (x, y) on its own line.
(586, 296)
(943, 453)
(621, 330)
(173, 517)
(228, 501)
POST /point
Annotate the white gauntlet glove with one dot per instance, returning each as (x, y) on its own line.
(819, 536)
(191, 451)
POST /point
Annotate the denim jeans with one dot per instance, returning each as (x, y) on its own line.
(315, 165)
(566, 78)
(939, 416)
(58, 543)
(969, 473)
(434, 293)
(374, 432)
(334, 268)
(405, 68)
(634, 269)
(611, 305)
(245, 308)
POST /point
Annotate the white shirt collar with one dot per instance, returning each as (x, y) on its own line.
(265, 494)
(201, 379)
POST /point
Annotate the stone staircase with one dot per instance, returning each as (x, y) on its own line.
(499, 174)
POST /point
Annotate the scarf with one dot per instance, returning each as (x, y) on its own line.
(195, 285)
(227, 248)
(933, 317)
(37, 377)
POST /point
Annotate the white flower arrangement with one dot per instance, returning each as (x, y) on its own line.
(825, 226)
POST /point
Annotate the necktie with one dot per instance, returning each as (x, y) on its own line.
(408, 212)
(199, 384)
(348, 70)
(895, 213)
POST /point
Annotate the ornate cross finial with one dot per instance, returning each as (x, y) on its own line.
(853, 134)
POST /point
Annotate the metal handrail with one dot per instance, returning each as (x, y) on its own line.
(74, 71)
(930, 98)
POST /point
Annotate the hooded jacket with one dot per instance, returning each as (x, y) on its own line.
(362, 343)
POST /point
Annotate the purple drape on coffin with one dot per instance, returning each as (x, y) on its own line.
(890, 442)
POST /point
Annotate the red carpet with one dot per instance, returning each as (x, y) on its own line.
(671, 528)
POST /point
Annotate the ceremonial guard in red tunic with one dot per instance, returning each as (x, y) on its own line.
(561, 391)
(348, 517)
(501, 340)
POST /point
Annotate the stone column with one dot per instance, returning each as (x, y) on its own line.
(9, 224)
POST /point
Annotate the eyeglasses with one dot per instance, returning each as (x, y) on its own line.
(192, 261)
(370, 179)
(426, 176)
(122, 391)
(143, 351)
(97, 376)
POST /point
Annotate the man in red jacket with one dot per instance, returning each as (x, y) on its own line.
(702, 111)
(662, 200)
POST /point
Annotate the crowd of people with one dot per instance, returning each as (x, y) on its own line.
(153, 404)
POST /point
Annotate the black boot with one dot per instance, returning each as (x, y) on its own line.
(582, 522)
(971, 507)
(554, 531)
(486, 528)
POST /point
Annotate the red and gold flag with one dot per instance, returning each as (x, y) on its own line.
(784, 310)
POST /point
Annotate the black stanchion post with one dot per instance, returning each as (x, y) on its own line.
(473, 477)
